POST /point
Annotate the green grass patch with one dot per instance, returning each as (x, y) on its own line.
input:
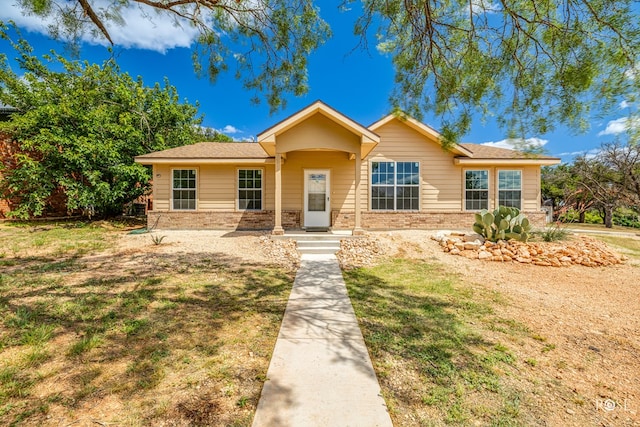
(38, 335)
(84, 345)
(56, 239)
(426, 332)
(627, 245)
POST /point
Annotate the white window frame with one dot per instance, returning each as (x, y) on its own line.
(498, 190)
(465, 189)
(195, 190)
(238, 189)
(395, 185)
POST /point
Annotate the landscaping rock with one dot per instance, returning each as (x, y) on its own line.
(281, 251)
(582, 250)
(360, 252)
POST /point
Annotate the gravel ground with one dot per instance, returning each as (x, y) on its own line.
(589, 314)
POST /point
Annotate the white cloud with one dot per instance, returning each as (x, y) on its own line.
(589, 154)
(631, 73)
(624, 104)
(229, 130)
(621, 125)
(149, 30)
(515, 143)
(484, 6)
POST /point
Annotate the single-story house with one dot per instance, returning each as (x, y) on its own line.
(320, 169)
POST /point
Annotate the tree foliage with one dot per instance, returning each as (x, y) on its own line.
(209, 134)
(79, 129)
(268, 41)
(529, 63)
(607, 181)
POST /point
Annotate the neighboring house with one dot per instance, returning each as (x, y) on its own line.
(319, 169)
(7, 151)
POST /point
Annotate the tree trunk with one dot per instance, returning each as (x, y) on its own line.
(608, 217)
(581, 216)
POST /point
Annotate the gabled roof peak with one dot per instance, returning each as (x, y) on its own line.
(421, 128)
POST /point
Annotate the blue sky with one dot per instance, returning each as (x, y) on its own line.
(355, 82)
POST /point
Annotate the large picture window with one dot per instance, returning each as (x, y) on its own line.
(250, 189)
(184, 189)
(510, 188)
(476, 190)
(395, 185)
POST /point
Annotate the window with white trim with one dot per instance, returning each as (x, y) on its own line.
(395, 185)
(183, 192)
(250, 189)
(510, 188)
(476, 190)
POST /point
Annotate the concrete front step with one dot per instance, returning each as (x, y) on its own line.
(318, 246)
(317, 242)
(319, 250)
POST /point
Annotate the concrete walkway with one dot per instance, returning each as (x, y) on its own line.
(320, 372)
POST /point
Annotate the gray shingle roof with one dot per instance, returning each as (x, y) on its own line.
(211, 150)
(480, 151)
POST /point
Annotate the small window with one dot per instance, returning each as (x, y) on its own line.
(395, 186)
(250, 189)
(510, 188)
(476, 190)
(184, 189)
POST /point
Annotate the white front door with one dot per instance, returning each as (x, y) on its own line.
(317, 206)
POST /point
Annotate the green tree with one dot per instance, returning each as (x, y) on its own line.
(268, 41)
(530, 63)
(209, 134)
(625, 159)
(561, 185)
(603, 183)
(79, 129)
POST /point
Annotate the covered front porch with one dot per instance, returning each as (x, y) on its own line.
(319, 166)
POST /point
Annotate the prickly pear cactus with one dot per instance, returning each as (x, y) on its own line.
(504, 223)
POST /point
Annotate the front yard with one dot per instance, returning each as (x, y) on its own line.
(456, 341)
(102, 327)
(96, 334)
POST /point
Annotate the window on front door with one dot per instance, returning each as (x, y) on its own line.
(395, 185)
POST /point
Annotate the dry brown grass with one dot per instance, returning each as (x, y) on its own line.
(95, 335)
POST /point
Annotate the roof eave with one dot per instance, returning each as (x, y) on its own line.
(513, 162)
(422, 129)
(268, 136)
(202, 161)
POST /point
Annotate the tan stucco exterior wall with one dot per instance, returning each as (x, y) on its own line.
(216, 186)
(440, 184)
(318, 132)
(341, 170)
(442, 181)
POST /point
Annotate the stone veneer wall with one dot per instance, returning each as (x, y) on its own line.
(418, 220)
(231, 220)
(264, 220)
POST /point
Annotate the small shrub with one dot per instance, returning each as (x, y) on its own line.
(156, 239)
(626, 218)
(554, 233)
